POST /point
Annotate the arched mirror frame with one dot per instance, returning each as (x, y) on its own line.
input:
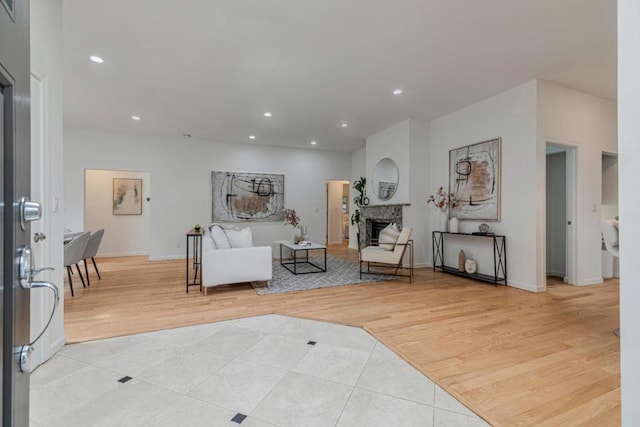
(383, 186)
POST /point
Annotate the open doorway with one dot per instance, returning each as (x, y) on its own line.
(337, 212)
(126, 232)
(560, 213)
(610, 264)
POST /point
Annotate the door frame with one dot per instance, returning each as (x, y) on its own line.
(572, 153)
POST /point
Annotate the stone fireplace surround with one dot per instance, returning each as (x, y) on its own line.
(378, 213)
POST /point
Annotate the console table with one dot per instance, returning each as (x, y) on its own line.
(194, 239)
(499, 256)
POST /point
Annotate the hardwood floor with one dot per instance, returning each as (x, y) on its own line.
(516, 358)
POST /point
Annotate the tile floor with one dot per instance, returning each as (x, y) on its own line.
(256, 372)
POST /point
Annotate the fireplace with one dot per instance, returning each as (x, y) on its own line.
(374, 218)
(376, 227)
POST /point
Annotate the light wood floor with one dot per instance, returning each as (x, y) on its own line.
(516, 358)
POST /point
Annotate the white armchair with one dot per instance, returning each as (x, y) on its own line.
(378, 257)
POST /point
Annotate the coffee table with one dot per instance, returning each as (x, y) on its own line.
(296, 261)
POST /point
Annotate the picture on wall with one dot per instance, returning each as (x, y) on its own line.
(127, 196)
(474, 180)
(242, 196)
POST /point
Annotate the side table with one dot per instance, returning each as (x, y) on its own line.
(194, 240)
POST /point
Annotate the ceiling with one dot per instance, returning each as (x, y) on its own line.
(211, 68)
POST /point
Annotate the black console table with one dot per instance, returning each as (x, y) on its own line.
(499, 256)
(194, 238)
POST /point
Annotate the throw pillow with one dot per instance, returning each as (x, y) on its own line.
(241, 238)
(219, 237)
(388, 237)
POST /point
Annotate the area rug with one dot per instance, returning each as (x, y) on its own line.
(340, 272)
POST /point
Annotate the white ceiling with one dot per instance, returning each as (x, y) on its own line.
(211, 68)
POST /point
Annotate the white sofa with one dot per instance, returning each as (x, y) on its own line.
(233, 265)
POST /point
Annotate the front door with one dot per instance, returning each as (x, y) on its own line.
(14, 184)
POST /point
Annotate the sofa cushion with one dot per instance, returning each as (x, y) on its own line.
(388, 237)
(219, 237)
(240, 238)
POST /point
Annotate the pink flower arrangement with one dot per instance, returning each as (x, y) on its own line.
(443, 200)
(290, 217)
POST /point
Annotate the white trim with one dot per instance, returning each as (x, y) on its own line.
(594, 281)
(527, 286)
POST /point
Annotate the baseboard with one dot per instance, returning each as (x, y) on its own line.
(166, 257)
(526, 286)
(119, 254)
(560, 274)
(58, 344)
(594, 281)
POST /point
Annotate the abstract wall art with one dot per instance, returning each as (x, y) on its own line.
(474, 180)
(242, 196)
(127, 196)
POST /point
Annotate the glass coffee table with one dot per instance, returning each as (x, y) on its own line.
(300, 263)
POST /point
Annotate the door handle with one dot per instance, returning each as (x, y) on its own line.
(26, 274)
(37, 237)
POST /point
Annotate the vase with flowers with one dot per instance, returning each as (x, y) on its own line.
(444, 201)
(291, 218)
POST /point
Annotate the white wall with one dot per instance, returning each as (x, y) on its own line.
(180, 171)
(416, 214)
(512, 116)
(556, 214)
(124, 235)
(394, 143)
(629, 132)
(358, 169)
(46, 56)
(573, 118)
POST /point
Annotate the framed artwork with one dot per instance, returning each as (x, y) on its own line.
(245, 196)
(474, 180)
(127, 196)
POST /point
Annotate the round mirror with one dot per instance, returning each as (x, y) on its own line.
(385, 179)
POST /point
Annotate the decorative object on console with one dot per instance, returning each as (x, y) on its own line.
(127, 196)
(197, 227)
(240, 196)
(454, 225)
(474, 179)
(470, 266)
(445, 202)
(484, 228)
(462, 258)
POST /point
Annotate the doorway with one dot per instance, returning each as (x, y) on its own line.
(337, 214)
(609, 203)
(560, 213)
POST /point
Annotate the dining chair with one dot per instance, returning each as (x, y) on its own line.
(90, 252)
(73, 252)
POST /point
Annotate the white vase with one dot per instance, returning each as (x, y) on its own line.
(444, 221)
(454, 225)
(470, 266)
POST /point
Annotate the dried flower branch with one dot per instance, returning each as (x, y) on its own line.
(443, 200)
(290, 217)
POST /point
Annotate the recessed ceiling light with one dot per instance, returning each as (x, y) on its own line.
(96, 59)
(397, 92)
(313, 142)
(344, 125)
(136, 118)
(252, 137)
(267, 114)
